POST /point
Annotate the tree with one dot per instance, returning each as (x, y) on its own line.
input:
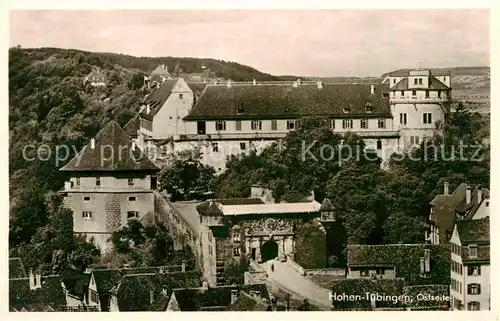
(185, 171)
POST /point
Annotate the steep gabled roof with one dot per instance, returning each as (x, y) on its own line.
(268, 101)
(161, 70)
(112, 152)
(76, 283)
(159, 96)
(326, 205)
(246, 302)
(219, 297)
(474, 231)
(49, 296)
(95, 75)
(133, 126)
(107, 279)
(16, 268)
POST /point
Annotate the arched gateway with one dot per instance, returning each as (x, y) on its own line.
(269, 250)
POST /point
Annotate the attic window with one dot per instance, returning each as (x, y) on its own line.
(368, 108)
(240, 110)
(347, 110)
(472, 251)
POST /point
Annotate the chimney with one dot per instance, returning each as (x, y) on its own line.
(205, 285)
(446, 188)
(479, 194)
(295, 84)
(234, 296)
(467, 195)
(148, 109)
(254, 82)
(320, 84)
(164, 291)
(92, 143)
(298, 81)
(372, 89)
(229, 83)
(133, 145)
(32, 280)
(151, 296)
(38, 281)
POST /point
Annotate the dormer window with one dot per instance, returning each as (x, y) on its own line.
(472, 251)
(368, 108)
(240, 110)
(346, 110)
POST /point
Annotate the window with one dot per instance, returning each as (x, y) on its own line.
(415, 81)
(87, 215)
(181, 96)
(426, 94)
(403, 118)
(238, 125)
(427, 118)
(236, 237)
(131, 198)
(347, 123)
(97, 181)
(210, 249)
(215, 147)
(243, 146)
(210, 236)
(487, 204)
(419, 81)
(402, 93)
(380, 271)
(78, 181)
(240, 110)
(439, 93)
(385, 95)
(170, 117)
(444, 78)
(472, 251)
(93, 296)
(414, 140)
(274, 124)
(220, 125)
(379, 144)
(414, 93)
(473, 306)
(381, 123)
(86, 198)
(474, 288)
(132, 214)
(364, 272)
(346, 110)
(130, 182)
(290, 124)
(364, 123)
(394, 81)
(256, 125)
(236, 251)
(332, 123)
(474, 270)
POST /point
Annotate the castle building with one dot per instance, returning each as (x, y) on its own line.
(111, 182)
(420, 100)
(470, 268)
(236, 118)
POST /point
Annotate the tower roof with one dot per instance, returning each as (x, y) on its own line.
(111, 151)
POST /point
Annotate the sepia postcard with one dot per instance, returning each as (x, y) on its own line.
(249, 160)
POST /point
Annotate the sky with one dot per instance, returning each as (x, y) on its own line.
(280, 42)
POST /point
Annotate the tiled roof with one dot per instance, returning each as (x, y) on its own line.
(39, 300)
(95, 75)
(248, 101)
(111, 153)
(326, 205)
(160, 303)
(434, 84)
(483, 255)
(76, 283)
(160, 70)
(133, 126)
(197, 87)
(107, 279)
(406, 260)
(246, 302)
(202, 299)
(446, 206)
(158, 96)
(133, 291)
(203, 207)
(16, 268)
(474, 231)
(406, 72)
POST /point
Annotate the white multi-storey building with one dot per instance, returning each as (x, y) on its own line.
(470, 266)
(234, 118)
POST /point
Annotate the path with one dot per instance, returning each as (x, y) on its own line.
(290, 280)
